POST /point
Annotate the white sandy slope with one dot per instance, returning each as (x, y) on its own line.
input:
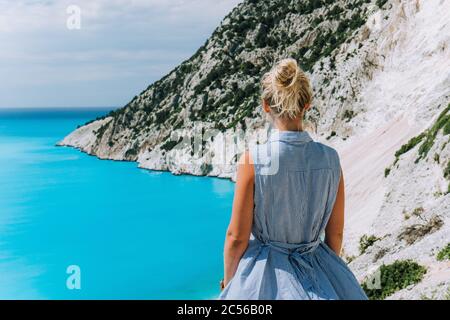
(407, 91)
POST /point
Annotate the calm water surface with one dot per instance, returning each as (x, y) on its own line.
(135, 234)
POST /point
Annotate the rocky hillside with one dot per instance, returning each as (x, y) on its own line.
(380, 72)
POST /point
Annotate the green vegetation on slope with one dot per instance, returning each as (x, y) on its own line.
(365, 242)
(443, 122)
(444, 254)
(416, 232)
(326, 42)
(425, 139)
(394, 277)
(447, 175)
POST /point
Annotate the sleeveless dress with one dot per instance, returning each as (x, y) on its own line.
(296, 182)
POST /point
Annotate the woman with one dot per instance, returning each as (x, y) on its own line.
(289, 192)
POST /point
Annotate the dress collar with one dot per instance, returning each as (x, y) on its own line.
(289, 136)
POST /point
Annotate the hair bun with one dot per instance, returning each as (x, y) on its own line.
(286, 88)
(286, 73)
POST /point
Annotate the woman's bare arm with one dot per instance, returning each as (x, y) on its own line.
(334, 232)
(239, 229)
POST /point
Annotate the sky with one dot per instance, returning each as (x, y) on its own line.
(92, 53)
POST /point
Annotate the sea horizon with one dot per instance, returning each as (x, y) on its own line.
(67, 108)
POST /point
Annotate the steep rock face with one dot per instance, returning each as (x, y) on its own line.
(218, 88)
(380, 72)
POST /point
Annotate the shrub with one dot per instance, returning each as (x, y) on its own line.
(365, 242)
(215, 74)
(442, 122)
(427, 138)
(447, 171)
(409, 145)
(170, 144)
(349, 259)
(418, 211)
(415, 232)
(335, 12)
(437, 158)
(248, 68)
(387, 171)
(381, 3)
(96, 119)
(327, 41)
(332, 134)
(447, 127)
(261, 36)
(101, 131)
(317, 20)
(394, 277)
(162, 116)
(444, 254)
(206, 168)
(348, 115)
(356, 21)
(132, 152)
(304, 7)
(380, 254)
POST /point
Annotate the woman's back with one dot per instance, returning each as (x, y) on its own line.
(296, 181)
(284, 200)
(295, 185)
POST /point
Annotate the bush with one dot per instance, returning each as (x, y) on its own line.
(162, 116)
(409, 145)
(365, 242)
(442, 122)
(381, 3)
(218, 72)
(444, 254)
(327, 41)
(418, 211)
(427, 137)
(394, 277)
(332, 134)
(101, 131)
(415, 232)
(261, 36)
(132, 152)
(170, 144)
(248, 68)
(206, 168)
(335, 12)
(447, 171)
(380, 254)
(447, 127)
(356, 21)
(348, 115)
(437, 158)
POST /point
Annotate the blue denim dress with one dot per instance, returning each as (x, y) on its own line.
(296, 181)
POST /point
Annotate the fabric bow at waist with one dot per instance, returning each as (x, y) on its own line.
(292, 248)
(302, 266)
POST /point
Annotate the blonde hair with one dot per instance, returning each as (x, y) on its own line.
(286, 89)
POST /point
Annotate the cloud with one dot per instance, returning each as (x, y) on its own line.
(31, 16)
(136, 40)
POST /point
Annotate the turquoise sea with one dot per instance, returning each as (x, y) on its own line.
(133, 233)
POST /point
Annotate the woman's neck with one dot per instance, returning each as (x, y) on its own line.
(289, 125)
